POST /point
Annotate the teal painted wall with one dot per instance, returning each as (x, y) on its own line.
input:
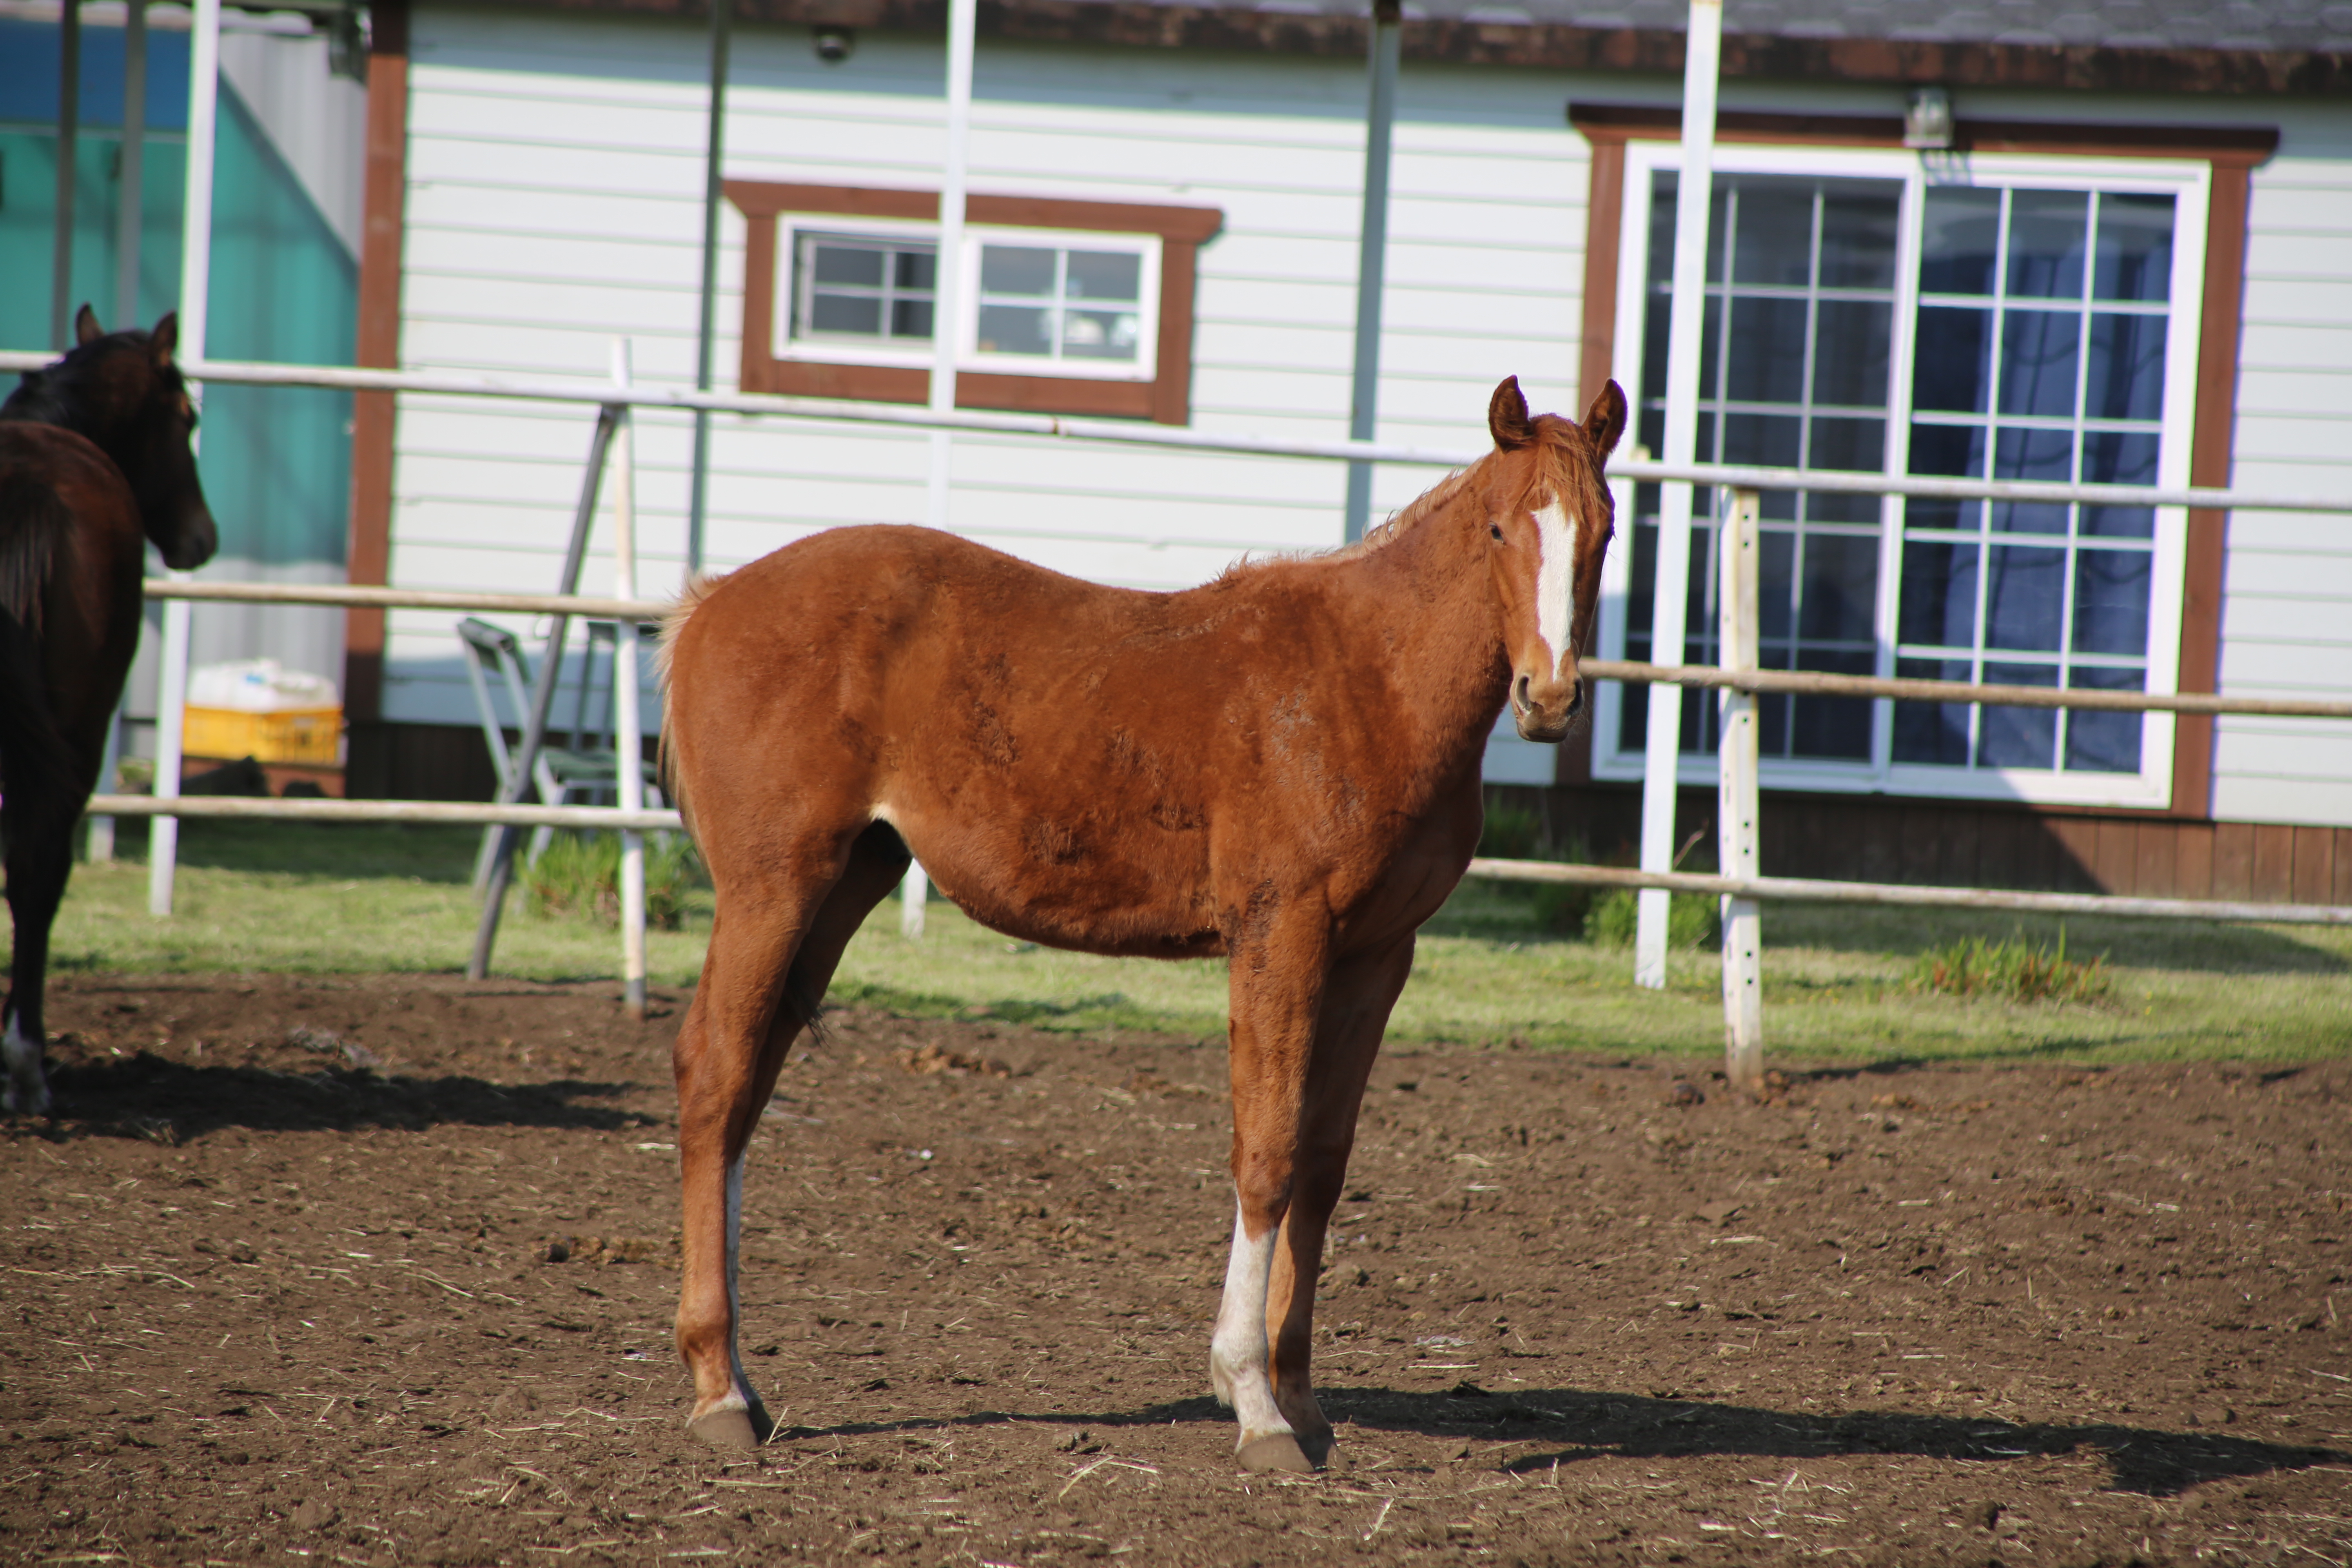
(275, 460)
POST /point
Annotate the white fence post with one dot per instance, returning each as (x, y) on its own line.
(171, 719)
(99, 845)
(912, 894)
(1735, 800)
(628, 730)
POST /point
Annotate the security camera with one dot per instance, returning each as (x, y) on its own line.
(834, 44)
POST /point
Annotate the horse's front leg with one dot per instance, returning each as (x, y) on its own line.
(1277, 983)
(1356, 999)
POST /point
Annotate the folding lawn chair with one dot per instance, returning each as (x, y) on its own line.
(589, 766)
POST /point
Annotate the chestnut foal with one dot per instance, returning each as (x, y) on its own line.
(1280, 768)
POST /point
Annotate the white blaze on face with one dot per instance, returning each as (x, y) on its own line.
(1555, 578)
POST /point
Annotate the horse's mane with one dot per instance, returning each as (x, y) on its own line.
(1564, 467)
(62, 393)
(44, 397)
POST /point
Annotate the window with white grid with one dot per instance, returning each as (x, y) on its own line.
(1033, 303)
(2010, 318)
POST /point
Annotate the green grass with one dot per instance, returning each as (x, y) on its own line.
(310, 899)
(1838, 980)
(2012, 968)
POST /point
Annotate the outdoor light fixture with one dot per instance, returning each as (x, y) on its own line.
(833, 44)
(1927, 120)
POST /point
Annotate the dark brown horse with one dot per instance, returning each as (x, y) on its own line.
(94, 461)
(1281, 768)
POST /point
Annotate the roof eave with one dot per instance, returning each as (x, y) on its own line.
(1542, 46)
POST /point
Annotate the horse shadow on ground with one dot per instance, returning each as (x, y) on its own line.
(151, 1096)
(1574, 1426)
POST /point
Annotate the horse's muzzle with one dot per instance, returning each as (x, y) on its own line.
(197, 537)
(1544, 710)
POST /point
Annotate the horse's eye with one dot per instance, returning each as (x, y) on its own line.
(1496, 529)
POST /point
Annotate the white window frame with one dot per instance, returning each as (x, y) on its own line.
(791, 226)
(2190, 183)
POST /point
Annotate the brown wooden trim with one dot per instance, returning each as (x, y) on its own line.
(2211, 444)
(2223, 146)
(762, 198)
(368, 546)
(1604, 228)
(1166, 399)
(1622, 123)
(1604, 218)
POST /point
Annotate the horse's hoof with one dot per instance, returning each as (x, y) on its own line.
(1276, 1452)
(727, 1428)
(1318, 1444)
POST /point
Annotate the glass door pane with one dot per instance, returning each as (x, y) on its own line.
(1796, 372)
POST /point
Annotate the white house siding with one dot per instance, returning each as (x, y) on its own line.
(555, 169)
(2286, 623)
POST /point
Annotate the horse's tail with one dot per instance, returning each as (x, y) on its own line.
(36, 767)
(689, 599)
(35, 528)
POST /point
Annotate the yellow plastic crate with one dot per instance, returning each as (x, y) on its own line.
(289, 735)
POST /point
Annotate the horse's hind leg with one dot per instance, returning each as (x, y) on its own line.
(37, 824)
(773, 946)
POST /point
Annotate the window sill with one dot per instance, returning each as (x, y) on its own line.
(974, 388)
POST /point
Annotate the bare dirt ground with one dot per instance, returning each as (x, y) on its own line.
(277, 1283)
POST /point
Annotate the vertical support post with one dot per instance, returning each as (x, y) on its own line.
(628, 729)
(721, 14)
(518, 781)
(128, 217)
(195, 291)
(128, 213)
(1735, 800)
(1371, 258)
(947, 316)
(1687, 320)
(947, 281)
(68, 131)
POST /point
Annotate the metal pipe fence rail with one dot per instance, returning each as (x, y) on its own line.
(1632, 672)
(438, 813)
(1813, 890)
(1739, 684)
(347, 378)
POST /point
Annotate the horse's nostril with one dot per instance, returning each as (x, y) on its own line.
(1521, 697)
(1576, 699)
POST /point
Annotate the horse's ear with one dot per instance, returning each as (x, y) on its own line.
(86, 327)
(1506, 416)
(1604, 422)
(164, 339)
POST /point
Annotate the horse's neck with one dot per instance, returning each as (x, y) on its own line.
(1433, 626)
